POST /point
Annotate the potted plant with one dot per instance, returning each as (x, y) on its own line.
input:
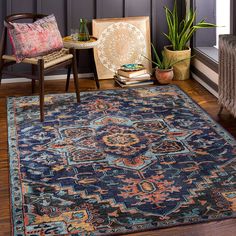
(180, 32)
(164, 66)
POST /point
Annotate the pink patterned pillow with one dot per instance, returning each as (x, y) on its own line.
(35, 39)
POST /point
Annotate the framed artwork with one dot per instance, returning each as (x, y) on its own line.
(121, 41)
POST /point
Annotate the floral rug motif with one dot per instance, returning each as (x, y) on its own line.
(120, 161)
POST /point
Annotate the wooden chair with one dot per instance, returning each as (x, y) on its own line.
(43, 64)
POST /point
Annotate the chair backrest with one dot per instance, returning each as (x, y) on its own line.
(10, 19)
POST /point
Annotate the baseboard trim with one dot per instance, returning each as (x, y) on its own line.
(204, 84)
(49, 77)
(205, 78)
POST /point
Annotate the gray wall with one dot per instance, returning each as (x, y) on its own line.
(68, 13)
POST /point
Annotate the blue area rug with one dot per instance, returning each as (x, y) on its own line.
(120, 161)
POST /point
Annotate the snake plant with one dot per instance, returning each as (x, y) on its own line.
(180, 32)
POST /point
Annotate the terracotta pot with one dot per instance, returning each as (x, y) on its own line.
(164, 76)
(181, 69)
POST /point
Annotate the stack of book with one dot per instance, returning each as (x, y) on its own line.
(133, 78)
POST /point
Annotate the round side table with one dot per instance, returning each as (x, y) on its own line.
(82, 45)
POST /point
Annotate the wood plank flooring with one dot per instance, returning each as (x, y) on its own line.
(191, 87)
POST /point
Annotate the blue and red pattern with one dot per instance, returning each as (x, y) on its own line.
(118, 162)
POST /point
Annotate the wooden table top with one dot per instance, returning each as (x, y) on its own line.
(70, 43)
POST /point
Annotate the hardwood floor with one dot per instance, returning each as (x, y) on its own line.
(191, 87)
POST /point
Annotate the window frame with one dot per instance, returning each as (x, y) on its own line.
(206, 59)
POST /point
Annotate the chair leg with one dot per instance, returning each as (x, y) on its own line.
(68, 78)
(221, 109)
(41, 88)
(1, 69)
(2, 50)
(33, 81)
(0, 76)
(33, 86)
(75, 74)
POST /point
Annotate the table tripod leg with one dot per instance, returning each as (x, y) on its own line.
(68, 78)
(94, 68)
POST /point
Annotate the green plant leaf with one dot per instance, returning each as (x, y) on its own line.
(158, 65)
(175, 23)
(156, 55)
(187, 28)
(169, 16)
(167, 36)
(178, 61)
(179, 33)
(204, 25)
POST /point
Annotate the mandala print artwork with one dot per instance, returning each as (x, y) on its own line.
(121, 161)
(124, 38)
(121, 41)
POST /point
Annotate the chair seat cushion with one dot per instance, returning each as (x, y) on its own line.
(49, 59)
(35, 39)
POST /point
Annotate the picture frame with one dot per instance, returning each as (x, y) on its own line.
(121, 41)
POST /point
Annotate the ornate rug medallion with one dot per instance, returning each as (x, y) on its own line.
(118, 162)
